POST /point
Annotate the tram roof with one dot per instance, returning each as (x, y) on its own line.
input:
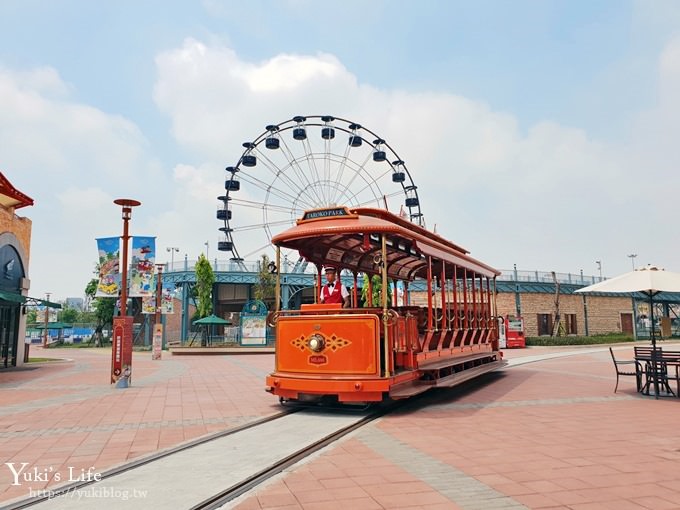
(337, 237)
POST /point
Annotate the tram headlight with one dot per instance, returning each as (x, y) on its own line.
(316, 343)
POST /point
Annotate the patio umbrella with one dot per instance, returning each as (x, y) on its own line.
(212, 320)
(648, 280)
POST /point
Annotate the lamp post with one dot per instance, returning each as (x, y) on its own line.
(632, 259)
(599, 267)
(121, 353)
(207, 250)
(47, 319)
(172, 250)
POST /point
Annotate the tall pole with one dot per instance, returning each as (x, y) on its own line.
(47, 319)
(386, 340)
(599, 267)
(121, 352)
(632, 259)
(172, 250)
(159, 290)
(207, 251)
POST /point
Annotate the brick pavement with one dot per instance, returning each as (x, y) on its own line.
(66, 414)
(549, 434)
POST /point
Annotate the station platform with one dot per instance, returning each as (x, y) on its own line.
(546, 432)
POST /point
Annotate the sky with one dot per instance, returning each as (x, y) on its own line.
(539, 133)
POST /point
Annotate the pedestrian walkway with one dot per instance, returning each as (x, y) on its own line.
(66, 414)
(548, 434)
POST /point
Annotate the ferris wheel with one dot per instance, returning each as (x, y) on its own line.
(305, 163)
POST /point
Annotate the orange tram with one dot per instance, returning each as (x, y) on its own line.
(395, 350)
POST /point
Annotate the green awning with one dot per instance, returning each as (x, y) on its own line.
(12, 297)
(43, 302)
(15, 297)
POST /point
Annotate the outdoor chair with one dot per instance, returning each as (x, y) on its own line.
(621, 371)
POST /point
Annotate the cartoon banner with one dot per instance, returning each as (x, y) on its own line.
(167, 300)
(149, 304)
(109, 275)
(40, 314)
(142, 266)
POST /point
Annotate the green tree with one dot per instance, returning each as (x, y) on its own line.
(376, 299)
(103, 307)
(68, 315)
(205, 280)
(265, 288)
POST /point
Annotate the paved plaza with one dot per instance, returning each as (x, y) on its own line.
(546, 434)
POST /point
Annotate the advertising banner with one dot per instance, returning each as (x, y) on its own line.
(149, 304)
(168, 298)
(109, 266)
(142, 266)
(40, 314)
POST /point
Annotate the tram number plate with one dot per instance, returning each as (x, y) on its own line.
(318, 359)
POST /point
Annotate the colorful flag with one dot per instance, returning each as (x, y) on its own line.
(142, 266)
(109, 275)
(168, 298)
(149, 304)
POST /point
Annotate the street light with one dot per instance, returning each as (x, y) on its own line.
(172, 250)
(127, 205)
(632, 259)
(121, 352)
(599, 267)
(207, 248)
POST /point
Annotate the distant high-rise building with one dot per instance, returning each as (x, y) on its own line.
(75, 302)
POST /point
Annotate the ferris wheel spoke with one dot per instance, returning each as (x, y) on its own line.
(391, 195)
(373, 183)
(299, 172)
(341, 170)
(263, 247)
(267, 188)
(278, 173)
(257, 226)
(311, 162)
(357, 170)
(259, 205)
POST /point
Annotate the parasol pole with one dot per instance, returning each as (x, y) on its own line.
(654, 365)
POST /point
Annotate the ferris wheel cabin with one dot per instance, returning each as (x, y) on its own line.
(389, 348)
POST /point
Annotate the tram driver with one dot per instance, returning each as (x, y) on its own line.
(334, 291)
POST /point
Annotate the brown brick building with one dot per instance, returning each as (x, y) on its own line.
(15, 249)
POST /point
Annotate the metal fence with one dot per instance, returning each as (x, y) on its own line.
(512, 275)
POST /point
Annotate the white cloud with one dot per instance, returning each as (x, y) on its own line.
(552, 197)
(72, 159)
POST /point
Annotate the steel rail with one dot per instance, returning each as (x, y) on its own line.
(128, 466)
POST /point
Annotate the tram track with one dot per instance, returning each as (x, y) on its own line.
(128, 466)
(222, 498)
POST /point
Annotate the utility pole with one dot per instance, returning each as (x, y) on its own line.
(47, 319)
(632, 259)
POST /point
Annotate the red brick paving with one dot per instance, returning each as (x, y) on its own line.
(549, 435)
(66, 414)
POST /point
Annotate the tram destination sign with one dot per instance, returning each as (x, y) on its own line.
(318, 214)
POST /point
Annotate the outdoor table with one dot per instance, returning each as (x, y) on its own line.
(657, 363)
